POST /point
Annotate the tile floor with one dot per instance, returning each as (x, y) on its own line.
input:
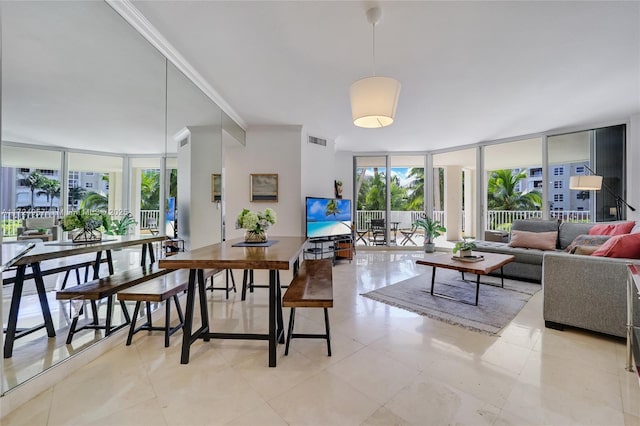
(388, 367)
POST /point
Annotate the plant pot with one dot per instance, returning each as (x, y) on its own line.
(466, 253)
(429, 247)
(85, 235)
(255, 237)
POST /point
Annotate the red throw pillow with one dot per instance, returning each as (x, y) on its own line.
(612, 228)
(626, 246)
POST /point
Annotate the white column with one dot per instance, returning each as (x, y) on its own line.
(453, 202)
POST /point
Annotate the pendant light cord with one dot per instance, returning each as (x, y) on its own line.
(373, 53)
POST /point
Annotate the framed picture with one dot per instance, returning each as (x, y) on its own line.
(264, 187)
(216, 187)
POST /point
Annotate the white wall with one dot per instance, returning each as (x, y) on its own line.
(633, 166)
(269, 149)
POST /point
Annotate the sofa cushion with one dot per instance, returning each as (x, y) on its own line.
(523, 255)
(39, 222)
(535, 225)
(585, 250)
(619, 228)
(534, 240)
(568, 232)
(587, 240)
(624, 246)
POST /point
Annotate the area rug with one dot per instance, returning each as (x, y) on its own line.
(496, 306)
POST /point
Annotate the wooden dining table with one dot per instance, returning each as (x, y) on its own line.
(283, 254)
(57, 250)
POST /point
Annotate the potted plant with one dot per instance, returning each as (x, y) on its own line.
(256, 223)
(118, 226)
(432, 229)
(83, 225)
(464, 247)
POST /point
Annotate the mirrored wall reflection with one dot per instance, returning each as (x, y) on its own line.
(77, 78)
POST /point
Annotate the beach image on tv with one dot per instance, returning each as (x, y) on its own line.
(328, 217)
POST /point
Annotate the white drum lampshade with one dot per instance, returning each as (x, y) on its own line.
(374, 101)
(586, 183)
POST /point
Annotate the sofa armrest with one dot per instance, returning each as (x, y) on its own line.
(585, 291)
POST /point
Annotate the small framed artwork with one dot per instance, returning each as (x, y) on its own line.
(264, 187)
(216, 187)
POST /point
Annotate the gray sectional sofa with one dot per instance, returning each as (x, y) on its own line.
(587, 292)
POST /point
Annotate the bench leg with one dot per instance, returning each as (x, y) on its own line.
(292, 318)
(94, 311)
(149, 320)
(326, 326)
(245, 274)
(74, 324)
(179, 310)
(133, 322)
(167, 323)
(107, 329)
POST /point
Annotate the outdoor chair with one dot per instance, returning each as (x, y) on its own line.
(407, 235)
(378, 232)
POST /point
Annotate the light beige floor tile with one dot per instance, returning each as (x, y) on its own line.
(520, 335)
(323, 399)
(147, 413)
(631, 420)
(630, 390)
(262, 415)
(33, 413)
(385, 417)
(376, 375)
(429, 401)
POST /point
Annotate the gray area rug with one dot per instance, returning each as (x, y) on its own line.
(496, 306)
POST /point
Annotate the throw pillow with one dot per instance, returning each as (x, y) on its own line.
(612, 228)
(636, 228)
(587, 240)
(585, 250)
(534, 240)
(626, 246)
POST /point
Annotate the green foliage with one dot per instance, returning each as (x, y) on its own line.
(256, 221)
(118, 226)
(502, 193)
(464, 245)
(83, 219)
(94, 201)
(432, 228)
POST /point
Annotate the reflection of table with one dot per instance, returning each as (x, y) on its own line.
(282, 255)
(57, 250)
(43, 237)
(394, 229)
(491, 262)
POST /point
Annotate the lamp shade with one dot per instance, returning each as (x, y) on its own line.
(586, 183)
(374, 101)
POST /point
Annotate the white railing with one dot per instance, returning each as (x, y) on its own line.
(12, 219)
(149, 219)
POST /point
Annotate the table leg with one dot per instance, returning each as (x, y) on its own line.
(433, 279)
(42, 295)
(188, 317)
(204, 311)
(502, 277)
(96, 265)
(477, 288)
(280, 331)
(143, 258)
(13, 311)
(109, 262)
(272, 318)
(152, 255)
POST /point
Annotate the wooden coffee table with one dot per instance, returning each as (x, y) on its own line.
(490, 263)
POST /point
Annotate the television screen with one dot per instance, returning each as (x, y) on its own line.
(328, 217)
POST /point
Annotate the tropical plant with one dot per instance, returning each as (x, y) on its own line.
(82, 219)
(150, 190)
(94, 201)
(118, 226)
(50, 188)
(464, 245)
(33, 181)
(432, 228)
(502, 192)
(332, 208)
(76, 194)
(416, 189)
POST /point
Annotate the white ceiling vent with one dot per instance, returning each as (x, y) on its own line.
(317, 141)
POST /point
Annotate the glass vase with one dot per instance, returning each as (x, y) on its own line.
(255, 236)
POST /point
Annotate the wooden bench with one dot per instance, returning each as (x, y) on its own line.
(160, 290)
(107, 288)
(311, 288)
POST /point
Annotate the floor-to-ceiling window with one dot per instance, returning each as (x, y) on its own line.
(514, 185)
(371, 199)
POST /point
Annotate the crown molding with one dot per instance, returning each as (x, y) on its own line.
(138, 21)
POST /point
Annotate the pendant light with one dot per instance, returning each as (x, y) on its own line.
(374, 99)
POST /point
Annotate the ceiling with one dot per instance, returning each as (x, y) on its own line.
(470, 71)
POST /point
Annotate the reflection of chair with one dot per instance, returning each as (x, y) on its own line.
(44, 228)
(408, 234)
(361, 236)
(152, 223)
(378, 232)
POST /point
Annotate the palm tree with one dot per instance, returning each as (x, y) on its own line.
(503, 193)
(76, 194)
(50, 188)
(33, 181)
(150, 190)
(416, 188)
(332, 208)
(95, 201)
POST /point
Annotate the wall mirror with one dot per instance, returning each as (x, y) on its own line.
(84, 94)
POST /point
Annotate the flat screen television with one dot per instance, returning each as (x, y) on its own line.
(328, 217)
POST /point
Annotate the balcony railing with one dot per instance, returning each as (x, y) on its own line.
(496, 219)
